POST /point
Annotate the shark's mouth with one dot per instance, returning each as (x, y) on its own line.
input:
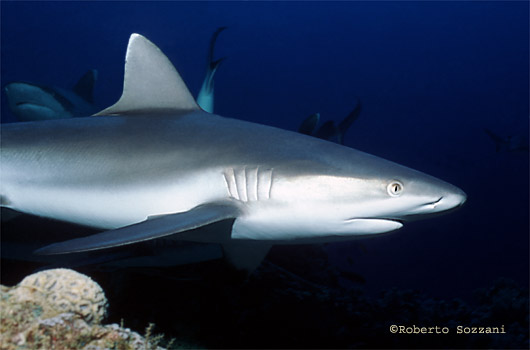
(432, 205)
(27, 103)
(421, 211)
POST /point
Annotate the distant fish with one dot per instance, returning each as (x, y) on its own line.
(32, 102)
(510, 143)
(205, 98)
(329, 131)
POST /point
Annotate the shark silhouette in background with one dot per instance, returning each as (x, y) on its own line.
(329, 131)
(31, 102)
(156, 165)
(513, 143)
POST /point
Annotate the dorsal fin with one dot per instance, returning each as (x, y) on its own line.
(151, 83)
(85, 86)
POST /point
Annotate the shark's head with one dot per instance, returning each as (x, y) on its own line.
(33, 102)
(335, 200)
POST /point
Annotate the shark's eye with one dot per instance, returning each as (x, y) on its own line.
(395, 188)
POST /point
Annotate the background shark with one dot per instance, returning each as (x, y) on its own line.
(205, 97)
(30, 101)
(512, 143)
(329, 131)
(38, 102)
(278, 186)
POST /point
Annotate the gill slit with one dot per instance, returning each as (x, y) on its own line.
(248, 184)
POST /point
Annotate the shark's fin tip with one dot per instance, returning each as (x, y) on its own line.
(84, 88)
(151, 82)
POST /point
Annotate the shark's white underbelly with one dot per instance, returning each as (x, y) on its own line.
(114, 206)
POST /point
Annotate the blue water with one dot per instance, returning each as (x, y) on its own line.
(430, 75)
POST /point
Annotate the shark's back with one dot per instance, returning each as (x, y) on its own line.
(105, 142)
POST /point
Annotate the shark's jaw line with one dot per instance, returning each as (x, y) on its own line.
(20, 104)
(154, 165)
(402, 218)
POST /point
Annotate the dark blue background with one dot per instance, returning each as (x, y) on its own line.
(430, 75)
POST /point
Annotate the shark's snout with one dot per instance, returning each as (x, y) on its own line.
(445, 199)
(452, 200)
(445, 196)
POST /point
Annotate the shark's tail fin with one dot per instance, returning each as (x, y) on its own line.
(214, 64)
(205, 97)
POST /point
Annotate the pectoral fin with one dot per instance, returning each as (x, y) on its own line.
(151, 228)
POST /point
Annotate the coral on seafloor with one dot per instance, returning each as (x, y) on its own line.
(61, 309)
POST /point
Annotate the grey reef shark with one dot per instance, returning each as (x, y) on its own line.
(155, 165)
(30, 102)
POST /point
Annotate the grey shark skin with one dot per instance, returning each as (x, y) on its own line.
(32, 102)
(154, 165)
